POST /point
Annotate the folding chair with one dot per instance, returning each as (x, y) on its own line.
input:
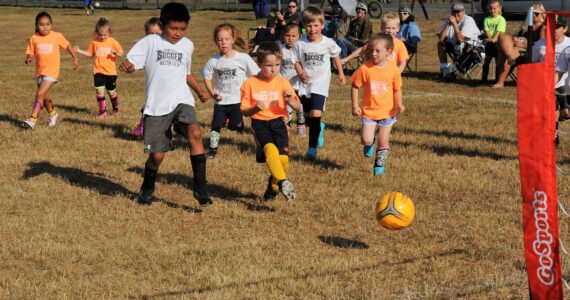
(412, 57)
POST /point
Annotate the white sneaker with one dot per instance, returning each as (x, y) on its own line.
(52, 120)
(28, 124)
(286, 188)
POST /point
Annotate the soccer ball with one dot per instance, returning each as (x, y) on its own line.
(395, 211)
(97, 4)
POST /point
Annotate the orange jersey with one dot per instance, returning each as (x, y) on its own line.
(380, 84)
(255, 90)
(399, 53)
(46, 51)
(104, 57)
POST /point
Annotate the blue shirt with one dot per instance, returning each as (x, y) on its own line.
(410, 31)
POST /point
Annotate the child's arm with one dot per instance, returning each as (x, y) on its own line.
(291, 101)
(352, 56)
(488, 35)
(341, 78)
(399, 105)
(210, 89)
(302, 76)
(356, 109)
(82, 52)
(29, 59)
(75, 61)
(193, 83)
(250, 111)
(118, 54)
(402, 65)
(127, 67)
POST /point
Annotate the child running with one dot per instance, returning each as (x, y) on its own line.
(167, 60)
(105, 49)
(291, 35)
(229, 68)
(312, 57)
(44, 46)
(150, 27)
(382, 100)
(264, 98)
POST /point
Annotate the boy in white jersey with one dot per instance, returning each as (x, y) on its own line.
(313, 54)
(167, 60)
(291, 35)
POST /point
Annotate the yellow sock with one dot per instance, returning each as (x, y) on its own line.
(273, 162)
(52, 113)
(285, 164)
(34, 119)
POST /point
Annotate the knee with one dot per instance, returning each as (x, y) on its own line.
(195, 133)
(315, 113)
(367, 141)
(155, 159)
(112, 94)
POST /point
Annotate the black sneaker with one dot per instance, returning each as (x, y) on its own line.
(203, 198)
(145, 196)
(212, 152)
(270, 193)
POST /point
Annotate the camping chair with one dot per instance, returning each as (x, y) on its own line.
(468, 62)
(257, 36)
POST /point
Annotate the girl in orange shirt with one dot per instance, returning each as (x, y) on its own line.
(105, 49)
(44, 47)
(382, 100)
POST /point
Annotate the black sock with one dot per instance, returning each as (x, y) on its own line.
(149, 178)
(314, 130)
(199, 170)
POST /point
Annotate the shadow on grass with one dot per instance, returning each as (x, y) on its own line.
(11, 120)
(341, 242)
(215, 190)
(73, 109)
(304, 276)
(93, 181)
(449, 150)
(119, 131)
(341, 128)
(460, 134)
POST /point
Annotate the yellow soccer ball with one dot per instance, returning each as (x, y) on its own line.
(395, 211)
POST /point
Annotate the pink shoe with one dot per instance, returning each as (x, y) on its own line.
(139, 130)
(102, 115)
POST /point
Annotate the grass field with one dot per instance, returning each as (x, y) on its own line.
(70, 227)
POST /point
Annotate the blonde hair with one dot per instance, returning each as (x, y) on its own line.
(391, 16)
(496, 2)
(236, 34)
(311, 14)
(539, 6)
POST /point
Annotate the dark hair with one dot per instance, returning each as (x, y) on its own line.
(41, 15)
(174, 12)
(101, 24)
(268, 48)
(236, 34)
(150, 22)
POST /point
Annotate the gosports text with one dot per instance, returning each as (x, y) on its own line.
(542, 245)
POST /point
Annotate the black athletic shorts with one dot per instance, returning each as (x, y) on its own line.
(107, 81)
(223, 112)
(271, 131)
(315, 101)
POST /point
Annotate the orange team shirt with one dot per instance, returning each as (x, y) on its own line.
(46, 51)
(104, 58)
(271, 91)
(380, 84)
(399, 53)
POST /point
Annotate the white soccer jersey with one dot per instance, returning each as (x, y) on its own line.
(315, 57)
(166, 67)
(539, 54)
(288, 67)
(229, 74)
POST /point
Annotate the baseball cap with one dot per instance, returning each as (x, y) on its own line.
(561, 21)
(362, 5)
(404, 9)
(457, 7)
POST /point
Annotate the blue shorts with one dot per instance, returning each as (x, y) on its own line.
(41, 78)
(384, 122)
(87, 2)
(314, 101)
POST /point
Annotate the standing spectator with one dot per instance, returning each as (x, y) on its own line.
(261, 8)
(292, 16)
(409, 30)
(456, 29)
(359, 30)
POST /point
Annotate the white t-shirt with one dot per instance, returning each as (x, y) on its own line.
(229, 74)
(563, 65)
(467, 26)
(288, 67)
(539, 54)
(315, 57)
(166, 67)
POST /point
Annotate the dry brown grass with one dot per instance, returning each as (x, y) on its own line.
(71, 230)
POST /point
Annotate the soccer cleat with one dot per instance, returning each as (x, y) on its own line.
(270, 193)
(203, 198)
(311, 154)
(212, 152)
(29, 124)
(115, 111)
(145, 196)
(321, 140)
(378, 171)
(286, 188)
(301, 129)
(102, 115)
(368, 151)
(52, 120)
(139, 130)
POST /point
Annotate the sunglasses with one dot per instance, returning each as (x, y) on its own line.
(404, 13)
(536, 14)
(360, 9)
(292, 6)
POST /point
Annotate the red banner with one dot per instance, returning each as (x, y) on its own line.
(537, 159)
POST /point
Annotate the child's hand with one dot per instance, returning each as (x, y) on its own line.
(28, 60)
(75, 64)
(262, 104)
(217, 97)
(204, 97)
(287, 96)
(304, 78)
(76, 48)
(127, 67)
(356, 111)
(341, 80)
(400, 108)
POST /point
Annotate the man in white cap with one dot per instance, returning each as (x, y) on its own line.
(456, 29)
(359, 30)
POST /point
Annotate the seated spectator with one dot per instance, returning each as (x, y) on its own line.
(292, 16)
(561, 58)
(511, 48)
(456, 29)
(359, 30)
(494, 25)
(409, 30)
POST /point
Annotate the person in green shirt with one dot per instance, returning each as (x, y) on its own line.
(493, 25)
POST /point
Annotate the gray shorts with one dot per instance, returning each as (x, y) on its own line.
(157, 129)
